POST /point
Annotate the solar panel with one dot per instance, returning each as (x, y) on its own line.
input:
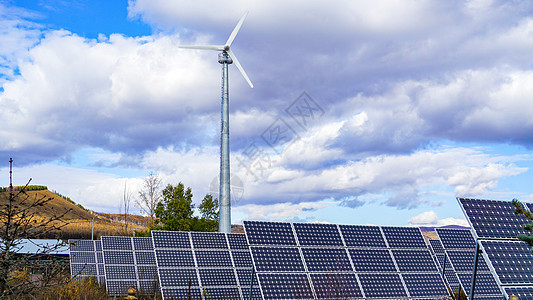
(362, 236)
(335, 285)
(285, 286)
(271, 259)
(522, 292)
(492, 218)
(436, 247)
(456, 238)
(404, 237)
(86, 259)
(414, 260)
(129, 262)
(460, 245)
(382, 285)
(218, 265)
(357, 263)
(372, 260)
(511, 260)
(424, 285)
(269, 233)
(317, 234)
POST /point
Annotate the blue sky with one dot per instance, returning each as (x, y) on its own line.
(414, 103)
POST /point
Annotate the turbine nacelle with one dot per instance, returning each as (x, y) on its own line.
(226, 48)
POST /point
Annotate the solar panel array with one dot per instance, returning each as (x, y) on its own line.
(450, 277)
(215, 265)
(326, 261)
(496, 227)
(129, 262)
(460, 247)
(86, 259)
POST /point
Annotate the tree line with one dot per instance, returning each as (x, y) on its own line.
(172, 208)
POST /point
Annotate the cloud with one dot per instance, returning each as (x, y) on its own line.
(280, 211)
(430, 218)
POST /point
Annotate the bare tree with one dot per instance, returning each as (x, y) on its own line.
(20, 221)
(126, 200)
(149, 196)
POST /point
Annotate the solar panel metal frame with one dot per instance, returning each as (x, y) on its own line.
(138, 247)
(98, 264)
(345, 247)
(200, 271)
(449, 238)
(503, 287)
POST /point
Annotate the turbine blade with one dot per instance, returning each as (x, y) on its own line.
(236, 30)
(236, 62)
(209, 47)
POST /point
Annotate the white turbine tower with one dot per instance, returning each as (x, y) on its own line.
(226, 57)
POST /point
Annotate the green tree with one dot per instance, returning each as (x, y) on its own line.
(521, 209)
(175, 210)
(209, 214)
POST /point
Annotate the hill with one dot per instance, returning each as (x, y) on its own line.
(79, 221)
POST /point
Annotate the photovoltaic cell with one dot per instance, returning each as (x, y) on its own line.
(404, 237)
(86, 260)
(414, 260)
(425, 285)
(285, 286)
(318, 234)
(213, 258)
(523, 293)
(178, 277)
(335, 285)
(211, 240)
(372, 260)
(436, 246)
(485, 283)
(463, 261)
(237, 241)
(456, 238)
(181, 293)
(174, 258)
(362, 236)
(218, 277)
(512, 261)
(326, 260)
(129, 260)
(493, 219)
(242, 259)
(171, 239)
(269, 233)
(271, 259)
(226, 292)
(382, 285)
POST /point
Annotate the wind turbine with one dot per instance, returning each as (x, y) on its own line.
(226, 57)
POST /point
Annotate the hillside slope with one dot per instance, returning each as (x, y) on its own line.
(56, 206)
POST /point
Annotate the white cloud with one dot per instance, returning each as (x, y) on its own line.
(430, 218)
(285, 211)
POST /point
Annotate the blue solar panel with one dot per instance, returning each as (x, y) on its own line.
(237, 241)
(485, 283)
(242, 259)
(436, 246)
(245, 277)
(270, 259)
(456, 238)
(463, 261)
(181, 293)
(209, 240)
(317, 234)
(213, 258)
(256, 292)
(414, 260)
(178, 277)
(117, 243)
(171, 239)
(404, 237)
(81, 245)
(82, 257)
(119, 272)
(335, 285)
(143, 243)
(372, 260)
(278, 286)
(326, 259)
(118, 258)
(492, 218)
(221, 293)
(382, 285)
(425, 285)
(362, 236)
(523, 293)
(512, 261)
(269, 233)
(86, 259)
(174, 258)
(217, 277)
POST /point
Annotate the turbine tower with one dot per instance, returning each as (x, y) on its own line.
(225, 57)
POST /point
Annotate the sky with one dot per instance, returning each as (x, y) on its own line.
(363, 112)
